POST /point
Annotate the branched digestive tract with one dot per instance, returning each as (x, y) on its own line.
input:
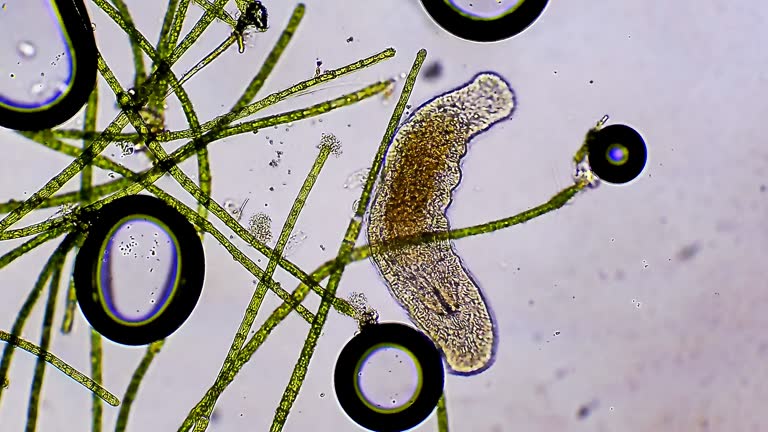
(142, 106)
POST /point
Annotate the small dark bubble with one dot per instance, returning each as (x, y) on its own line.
(619, 275)
(557, 333)
(689, 251)
(591, 81)
(583, 412)
(350, 39)
(433, 71)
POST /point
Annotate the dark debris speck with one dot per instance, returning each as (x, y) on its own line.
(583, 412)
(689, 251)
(433, 71)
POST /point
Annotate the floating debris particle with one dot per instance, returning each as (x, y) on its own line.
(235, 210)
(364, 314)
(260, 226)
(296, 239)
(688, 252)
(356, 179)
(333, 144)
(433, 71)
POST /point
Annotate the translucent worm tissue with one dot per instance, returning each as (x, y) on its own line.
(421, 170)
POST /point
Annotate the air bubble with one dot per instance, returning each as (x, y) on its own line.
(26, 49)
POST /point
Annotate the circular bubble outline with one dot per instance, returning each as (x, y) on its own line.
(78, 34)
(359, 367)
(623, 153)
(482, 29)
(426, 357)
(176, 277)
(188, 287)
(636, 153)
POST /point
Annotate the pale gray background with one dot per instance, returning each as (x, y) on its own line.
(689, 75)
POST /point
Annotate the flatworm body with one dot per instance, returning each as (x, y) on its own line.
(421, 170)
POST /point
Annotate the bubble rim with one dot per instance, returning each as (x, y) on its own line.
(625, 154)
(636, 148)
(481, 29)
(425, 355)
(419, 373)
(176, 277)
(77, 30)
(190, 280)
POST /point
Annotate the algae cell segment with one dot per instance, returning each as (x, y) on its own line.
(425, 356)
(420, 172)
(92, 272)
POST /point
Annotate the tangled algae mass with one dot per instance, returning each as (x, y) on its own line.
(421, 170)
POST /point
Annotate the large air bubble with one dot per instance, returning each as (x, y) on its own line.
(47, 62)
